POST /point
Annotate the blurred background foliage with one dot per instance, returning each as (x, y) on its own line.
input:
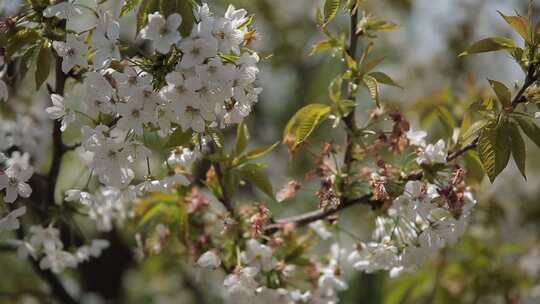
(498, 259)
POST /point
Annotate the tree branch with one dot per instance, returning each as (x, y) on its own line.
(350, 123)
(309, 217)
(58, 150)
(224, 198)
(312, 216)
(349, 120)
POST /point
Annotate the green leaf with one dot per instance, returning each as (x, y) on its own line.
(373, 87)
(179, 138)
(19, 41)
(520, 25)
(489, 45)
(382, 26)
(518, 147)
(502, 92)
(471, 132)
(254, 173)
(320, 46)
(146, 7)
(384, 79)
(305, 121)
(128, 6)
(167, 7)
(185, 9)
(331, 8)
(473, 164)
(260, 151)
(529, 127)
(503, 147)
(494, 149)
(242, 138)
(447, 119)
(367, 66)
(319, 17)
(26, 61)
(43, 65)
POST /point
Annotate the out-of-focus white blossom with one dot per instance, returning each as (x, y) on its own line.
(432, 154)
(258, 256)
(11, 220)
(209, 259)
(320, 228)
(63, 10)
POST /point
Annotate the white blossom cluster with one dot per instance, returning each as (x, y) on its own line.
(246, 283)
(419, 222)
(14, 179)
(105, 207)
(212, 86)
(44, 245)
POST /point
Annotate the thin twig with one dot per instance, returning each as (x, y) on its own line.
(309, 217)
(224, 198)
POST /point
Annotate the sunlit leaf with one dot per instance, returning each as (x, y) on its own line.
(255, 174)
(502, 92)
(489, 45)
(331, 8)
(494, 149)
(305, 121)
(520, 25)
(373, 88)
(260, 152)
(384, 79)
(320, 47)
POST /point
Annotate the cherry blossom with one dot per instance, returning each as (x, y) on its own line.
(11, 221)
(162, 32)
(209, 259)
(73, 52)
(61, 109)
